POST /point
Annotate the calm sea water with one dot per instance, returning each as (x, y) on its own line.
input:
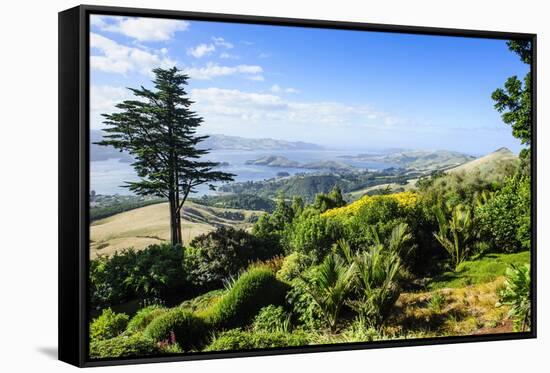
(107, 177)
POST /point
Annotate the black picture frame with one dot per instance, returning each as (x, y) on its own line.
(73, 250)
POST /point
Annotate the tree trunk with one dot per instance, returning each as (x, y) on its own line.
(174, 237)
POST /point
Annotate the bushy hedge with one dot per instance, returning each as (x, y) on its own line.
(143, 317)
(124, 346)
(312, 234)
(272, 319)
(238, 340)
(506, 218)
(108, 325)
(184, 327)
(218, 255)
(256, 288)
(293, 265)
(131, 274)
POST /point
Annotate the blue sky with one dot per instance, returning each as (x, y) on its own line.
(342, 89)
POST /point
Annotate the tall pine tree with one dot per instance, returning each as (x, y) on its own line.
(159, 130)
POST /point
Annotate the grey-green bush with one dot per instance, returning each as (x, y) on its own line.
(253, 290)
(108, 325)
(123, 346)
(238, 340)
(143, 317)
(188, 330)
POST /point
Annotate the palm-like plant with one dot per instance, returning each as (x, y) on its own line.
(517, 295)
(330, 285)
(457, 234)
(377, 269)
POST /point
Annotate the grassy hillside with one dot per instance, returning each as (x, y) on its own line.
(148, 225)
(489, 165)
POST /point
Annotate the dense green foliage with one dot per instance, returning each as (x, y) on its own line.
(130, 274)
(514, 100)
(517, 295)
(108, 325)
(312, 235)
(506, 217)
(178, 326)
(238, 340)
(221, 254)
(253, 290)
(143, 317)
(307, 186)
(238, 201)
(293, 265)
(123, 346)
(272, 319)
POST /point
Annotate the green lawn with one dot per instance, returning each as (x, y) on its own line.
(484, 269)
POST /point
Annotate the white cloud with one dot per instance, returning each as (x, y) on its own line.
(142, 29)
(263, 55)
(228, 56)
(275, 88)
(212, 70)
(230, 105)
(256, 78)
(113, 57)
(221, 42)
(103, 99)
(201, 50)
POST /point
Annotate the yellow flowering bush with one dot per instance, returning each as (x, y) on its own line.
(404, 199)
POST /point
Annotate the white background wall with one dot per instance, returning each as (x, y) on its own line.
(28, 184)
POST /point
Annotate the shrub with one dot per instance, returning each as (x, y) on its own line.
(253, 290)
(129, 274)
(123, 346)
(293, 265)
(108, 325)
(517, 295)
(305, 311)
(238, 340)
(203, 301)
(506, 218)
(188, 330)
(218, 255)
(143, 317)
(313, 235)
(272, 319)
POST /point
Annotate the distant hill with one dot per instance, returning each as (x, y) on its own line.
(328, 165)
(422, 160)
(241, 143)
(273, 161)
(279, 161)
(215, 142)
(489, 165)
(103, 153)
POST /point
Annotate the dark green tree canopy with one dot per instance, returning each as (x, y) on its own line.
(514, 100)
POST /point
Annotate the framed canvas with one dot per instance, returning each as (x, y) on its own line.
(236, 186)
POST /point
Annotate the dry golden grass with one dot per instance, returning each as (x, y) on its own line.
(148, 225)
(463, 311)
